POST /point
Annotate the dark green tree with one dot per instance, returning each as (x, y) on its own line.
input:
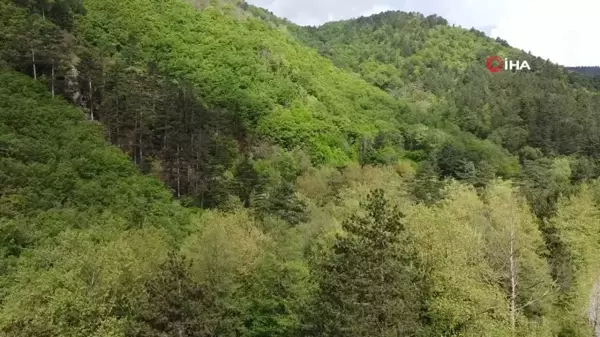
(177, 305)
(283, 203)
(427, 186)
(369, 283)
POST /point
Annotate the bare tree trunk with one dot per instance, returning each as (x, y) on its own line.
(594, 308)
(179, 145)
(91, 100)
(33, 60)
(178, 173)
(194, 164)
(164, 145)
(179, 328)
(141, 136)
(134, 142)
(52, 80)
(118, 128)
(513, 279)
(201, 175)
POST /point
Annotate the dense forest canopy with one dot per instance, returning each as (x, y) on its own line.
(591, 71)
(204, 168)
(592, 75)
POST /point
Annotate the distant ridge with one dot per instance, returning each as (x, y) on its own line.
(588, 71)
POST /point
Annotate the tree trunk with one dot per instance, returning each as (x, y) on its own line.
(118, 125)
(594, 308)
(179, 130)
(52, 80)
(164, 147)
(513, 280)
(33, 60)
(178, 173)
(141, 131)
(134, 142)
(179, 325)
(91, 100)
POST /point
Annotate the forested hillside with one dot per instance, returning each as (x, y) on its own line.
(535, 115)
(405, 54)
(204, 168)
(590, 71)
(193, 112)
(592, 75)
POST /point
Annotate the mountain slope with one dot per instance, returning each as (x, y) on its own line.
(355, 196)
(189, 94)
(405, 54)
(91, 247)
(249, 70)
(588, 76)
(56, 165)
(590, 71)
(73, 213)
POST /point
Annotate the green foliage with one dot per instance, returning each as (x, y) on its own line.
(283, 203)
(462, 299)
(367, 285)
(574, 235)
(443, 67)
(282, 131)
(57, 167)
(545, 182)
(60, 12)
(273, 84)
(516, 251)
(82, 283)
(276, 298)
(177, 306)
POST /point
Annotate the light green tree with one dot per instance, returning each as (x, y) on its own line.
(516, 251)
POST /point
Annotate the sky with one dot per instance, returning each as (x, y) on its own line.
(564, 31)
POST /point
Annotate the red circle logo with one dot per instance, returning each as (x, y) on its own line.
(490, 63)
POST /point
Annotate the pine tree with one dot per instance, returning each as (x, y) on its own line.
(368, 284)
(177, 305)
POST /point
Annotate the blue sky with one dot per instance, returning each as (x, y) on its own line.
(566, 32)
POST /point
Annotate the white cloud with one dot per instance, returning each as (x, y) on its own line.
(562, 31)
